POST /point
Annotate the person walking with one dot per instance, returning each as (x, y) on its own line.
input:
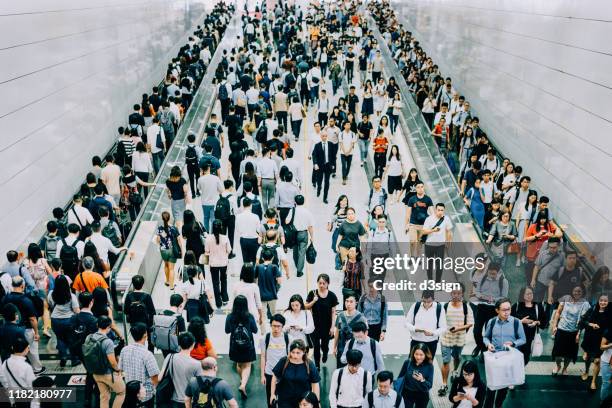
(182, 368)
(218, 249)
(322, 303)
(209, 387)
(350, 384)
(417, 374)
(64, 305)
(293, 376)
(468, 390)
(241, 326)
(426, 321)
(302, 220)
(274, 346)
(170, 243)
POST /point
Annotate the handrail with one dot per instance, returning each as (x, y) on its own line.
(194, 122)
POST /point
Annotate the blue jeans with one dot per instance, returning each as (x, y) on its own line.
(363, 149)
(158, 159)
(63, 330)
(606, 373)
(209, 216)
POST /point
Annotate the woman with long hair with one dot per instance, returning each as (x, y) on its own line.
(409, 187)
(103, 268)
(595, 324)
(202, 347)
(532, 315)
(309, 400)
(170, 242)
(178, 193)
(417, 374)
(134, 394)
(218, 249)
(250, 176)
(193, 232)
(349, 234)
(40, 270)
(63, 305)
(248, 288)
(102, 307)
(600, 284)
(191, 290)
(294, 375)
(142, 165)
(394, 172)
(322, 303)
(299, 323)
(241, 326)
(468, 390)
(338, 218)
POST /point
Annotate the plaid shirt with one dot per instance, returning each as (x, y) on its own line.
(138, 363)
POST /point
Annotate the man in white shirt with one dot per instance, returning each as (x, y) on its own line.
(438, 230)
(323, 107)
(21, 375)
(210, 188)
(252, 96)
(78, 214)
(267, 174)
(347, 145)
(426, 321)
(333, 133)
(157, 141)
(301, 218)
(294, 166)
(247, 226)
(384, 396)
(111, 176)
(350, 384)
(104, 246)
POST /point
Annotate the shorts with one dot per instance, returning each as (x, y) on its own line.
(414, 232)
(448, 352)
(178, 208)
(167, 255)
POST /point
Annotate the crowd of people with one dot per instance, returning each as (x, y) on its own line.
(291, 64)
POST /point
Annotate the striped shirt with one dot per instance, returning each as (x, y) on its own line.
(456, 318)
(128, 145)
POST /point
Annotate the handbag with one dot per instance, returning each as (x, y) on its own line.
(309, 341)
(537, 345)
(205, 308)
(290, 232)
(165, 388)
(177, 253)
(203, 259)
(135, 197)
(311, 254)
(504, 368)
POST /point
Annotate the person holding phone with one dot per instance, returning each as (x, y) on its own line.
(467, 390)
(417, 373)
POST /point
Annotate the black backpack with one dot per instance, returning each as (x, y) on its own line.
(223, 209)
(69, 257)
(110, 232)
(262, 134)
(223, 95)
(304, 84)
(206, 397)
(138, 310)
(351, 343)
(365, 382)
(191, 157)
(240, 339)
(275, 260)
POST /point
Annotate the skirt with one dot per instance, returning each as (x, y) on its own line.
(178, 208)
(394, 183)
(565, 345)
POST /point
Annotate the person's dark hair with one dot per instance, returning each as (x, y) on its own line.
(175, 172)
(58, 213)
(296, 298)
(198, 329)
(354, 357)
(138, 330)
(247, 273)
(385, 375)
(311, 398)
(132, 388)
(85, 299)
(246, 201)
(9, 312)
(471, 368)
(323, 276)
(423, 347)
(278, 318)
(19, 344)
(240, 309)
(494, 266)
(217, 229)
(34, 252)
(359, 327)
(61, 291)
(104, 322)
(185, 340)
(428, 294)
(176, 300)
(100, 305)
(501, 302)
(138, 281)
(299, 199)
(12, 255)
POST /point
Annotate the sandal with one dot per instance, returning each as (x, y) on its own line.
(584, 376)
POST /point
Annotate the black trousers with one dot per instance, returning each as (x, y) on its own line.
(415, 399)
(219, 281)
(323, 180)
(483, 314)
(436, 253)
(495, 398)
(225, 105)
(346, 161)
(281, 117)
(374, 331)
(380, 161)
(283, 212)
(268, 388)
(229, 229)
(322, 116)
(249, 247)
(376, 76)
(193, 173)
(144, 177)
(320, 340)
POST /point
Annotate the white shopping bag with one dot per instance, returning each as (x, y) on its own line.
(504, 368)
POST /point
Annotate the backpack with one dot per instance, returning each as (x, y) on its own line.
(351, 343)
(275, 260)
(465, 311)
(262, 134)
(138, 310)
(256, 208)
(365, 382)
(223, 209)
(240, 339)
(191, 157)
(417, 306)
(51, 247)
(304, 84)
(384, 203)
(94, 357)
(163, 333)
(398, 400)
(223, 95)
(346, 333)
(158, 141)
(109, 232)
(206, 397)
(69, 257)
(78, 333)
(285, 335)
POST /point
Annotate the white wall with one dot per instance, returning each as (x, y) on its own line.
(537, 73)
(70, 72)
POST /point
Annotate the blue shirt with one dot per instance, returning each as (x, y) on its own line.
(212, 161)
(267, 275)
(15, 269)
(502, 332)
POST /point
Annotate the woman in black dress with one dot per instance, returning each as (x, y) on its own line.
(294, 375)
(595, 323)
(193, 234)
(322, 303)
(533, 317)
(241, 325)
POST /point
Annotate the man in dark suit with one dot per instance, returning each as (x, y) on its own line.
(322, 157)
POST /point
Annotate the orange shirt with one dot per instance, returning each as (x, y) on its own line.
(380, 144)
(201, 351)
(91, 280)
(533, 247)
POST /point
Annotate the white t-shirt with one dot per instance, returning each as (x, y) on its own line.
(439, 237)
(347, 140)
(395, 167)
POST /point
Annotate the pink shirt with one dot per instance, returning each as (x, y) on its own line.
(217, 253)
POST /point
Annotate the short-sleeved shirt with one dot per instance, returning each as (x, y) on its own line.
(321, 310)
(277, 349)
(548, 265)
(221, 392)
(87, 281)
(138, 363)
(456, 318)
(64, 311)
(166, 236)
(267, 275)
(419, 206)
(295, 379)
(24, 305)
(201, 351)
(176, 188)
(183, 369)
(108, 347)
(437, 238)
(350, 234)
